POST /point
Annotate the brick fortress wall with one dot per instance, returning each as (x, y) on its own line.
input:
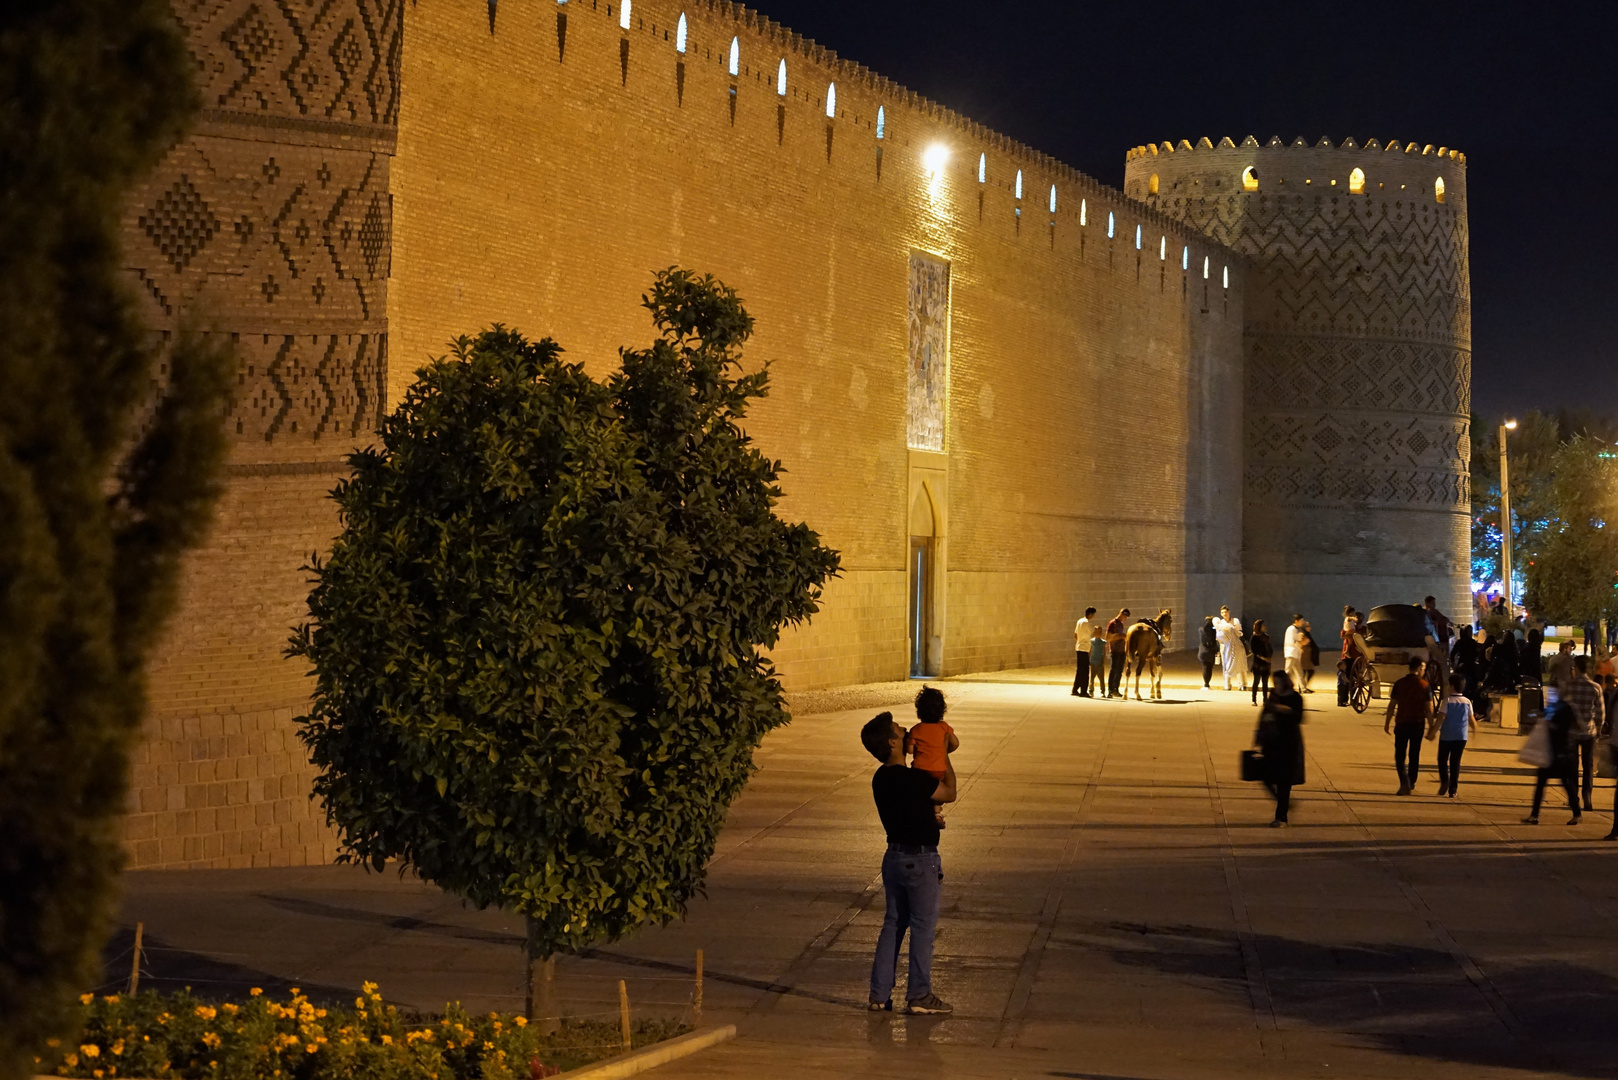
(550, 159)
(1358, 371)
(271, 224)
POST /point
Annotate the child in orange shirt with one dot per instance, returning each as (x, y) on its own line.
(930, 742)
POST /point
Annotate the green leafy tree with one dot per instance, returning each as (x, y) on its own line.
(94, 512)
(538, 639)
(1572, 575)
(1532, 448)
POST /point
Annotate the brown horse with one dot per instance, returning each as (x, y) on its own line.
(1143, 645)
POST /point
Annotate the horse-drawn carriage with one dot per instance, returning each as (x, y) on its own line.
(1395, 634)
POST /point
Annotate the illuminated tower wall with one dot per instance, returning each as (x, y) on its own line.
(1358, 362)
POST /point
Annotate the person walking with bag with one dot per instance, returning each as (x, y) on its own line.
(1260, 655)
(1280, 739)
(1550, 749)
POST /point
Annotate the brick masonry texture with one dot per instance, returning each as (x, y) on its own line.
(1358, 362)
(372, 178)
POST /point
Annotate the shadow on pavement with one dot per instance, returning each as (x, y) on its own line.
(167, 969)
(1546, 1014)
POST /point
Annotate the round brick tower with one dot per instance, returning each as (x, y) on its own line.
(1358, 356)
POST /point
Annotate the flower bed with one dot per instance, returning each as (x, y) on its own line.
(181, 1037)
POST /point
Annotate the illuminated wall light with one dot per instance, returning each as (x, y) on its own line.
(1137, 237)
(1185, 258)
(831, 101)
(1205, 268)
(1111, 223)
(735, 57)
(881, 122)
(1250, 179)
(1438, 189)
(934, 158)
(623, 15)
(1053, 198)
(1163, 250)
(679, 35)
(1084, 211)
(1019, 183)
(1227, 277)
(781, 78)
(983, 168)
(1356, 182)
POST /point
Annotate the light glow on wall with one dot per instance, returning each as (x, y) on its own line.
(983, 168)
(881, 122)
(623, 15)
(1019, 183)
(1163, 249)
(831, 101)
(1111, 222)
(735, 57)
(933, 160)
(1185, 258)
(1227, 277)
(1137, 237)
(1053, 198)
(781, 78)
(1205, 268)
(1084, 211)
(679, 35)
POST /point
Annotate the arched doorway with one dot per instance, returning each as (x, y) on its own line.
(923, 562)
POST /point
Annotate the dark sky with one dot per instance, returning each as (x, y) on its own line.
(1527, 91)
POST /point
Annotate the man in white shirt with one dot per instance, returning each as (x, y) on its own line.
(1232, 654)
(1294, 653)
(1081, 649)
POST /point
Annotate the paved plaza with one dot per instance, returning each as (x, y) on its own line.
(1115, 908)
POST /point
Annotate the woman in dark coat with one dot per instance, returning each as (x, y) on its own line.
(1207, 650)
(1260, 651)
(1280, 740)
(1503, 664)
(1463, 660)
(1560, 721)
(1529, 658)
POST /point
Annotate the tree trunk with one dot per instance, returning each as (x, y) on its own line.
(541, 1005)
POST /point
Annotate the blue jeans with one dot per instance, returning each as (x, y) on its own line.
(912, 884)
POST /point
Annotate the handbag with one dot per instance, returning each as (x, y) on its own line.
(1537, 750)
(1252, 765)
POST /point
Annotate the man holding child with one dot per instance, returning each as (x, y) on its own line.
(907, 801)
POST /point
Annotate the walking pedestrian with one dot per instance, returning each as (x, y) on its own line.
(1292, 646)
(1410, 706)
(1590, 711)
(1456, 725)
(1081, 652)
(1117, 630)
(1560, 722)
(1232, 653)
(912, 873)
(1559, 672)
(1098, 657)
(1260, 655)
(1280, 742)
(1311, 657)
(1463, 659)
(1208, 650)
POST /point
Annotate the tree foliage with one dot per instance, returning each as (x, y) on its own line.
(1571, 572)
(93, 512)
(538, 638)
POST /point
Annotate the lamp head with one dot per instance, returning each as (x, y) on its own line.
(1511, 425)
(934, 157)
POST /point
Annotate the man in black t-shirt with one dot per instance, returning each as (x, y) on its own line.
(912, 873)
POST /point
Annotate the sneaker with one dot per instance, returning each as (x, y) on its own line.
(931, 1005)
(1531, 819)
(880, 1006)
(1278, 824)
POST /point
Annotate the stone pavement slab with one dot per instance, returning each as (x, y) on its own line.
(1115, 908)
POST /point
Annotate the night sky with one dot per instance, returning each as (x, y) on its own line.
(1528, 94)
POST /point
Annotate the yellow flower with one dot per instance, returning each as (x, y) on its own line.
(320, 1013)
(210, 1040)
(387, 1040)
(294, 991)
(311, 1048)
(98, 1073)
(118, 1047)
(359, 1003)
(111, 999)
(231, 1009)
(163, 1018)
(255, 992)
(53, 1042)
(207, 1012)
(85, 999)
(520, 1021)
(90, 1050)
(71, 1060)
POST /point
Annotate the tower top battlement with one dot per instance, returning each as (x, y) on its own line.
(1152, 150)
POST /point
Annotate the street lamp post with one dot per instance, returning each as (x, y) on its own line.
(1505, 519)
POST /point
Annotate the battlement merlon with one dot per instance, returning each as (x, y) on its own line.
(1397, 171)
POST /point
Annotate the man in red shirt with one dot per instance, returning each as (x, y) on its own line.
(1117, 630)
(1410, 710)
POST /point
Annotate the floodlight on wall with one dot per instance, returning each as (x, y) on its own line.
(1205, 268)
(1019, 184)
(679, 35)
(781, 78)
(735, 57)
(881, 122)
(1053, 198)
(983, 168)
(1227, 277)
(1137, 237)
(1111, 223)
(933, 160)
(1185, 258)
(623, 15)
(1163, 249)
(831, 101)
(1084, 211)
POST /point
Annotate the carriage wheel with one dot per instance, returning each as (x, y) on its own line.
(1360, 695)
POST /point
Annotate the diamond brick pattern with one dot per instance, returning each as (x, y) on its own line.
(179, 223)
